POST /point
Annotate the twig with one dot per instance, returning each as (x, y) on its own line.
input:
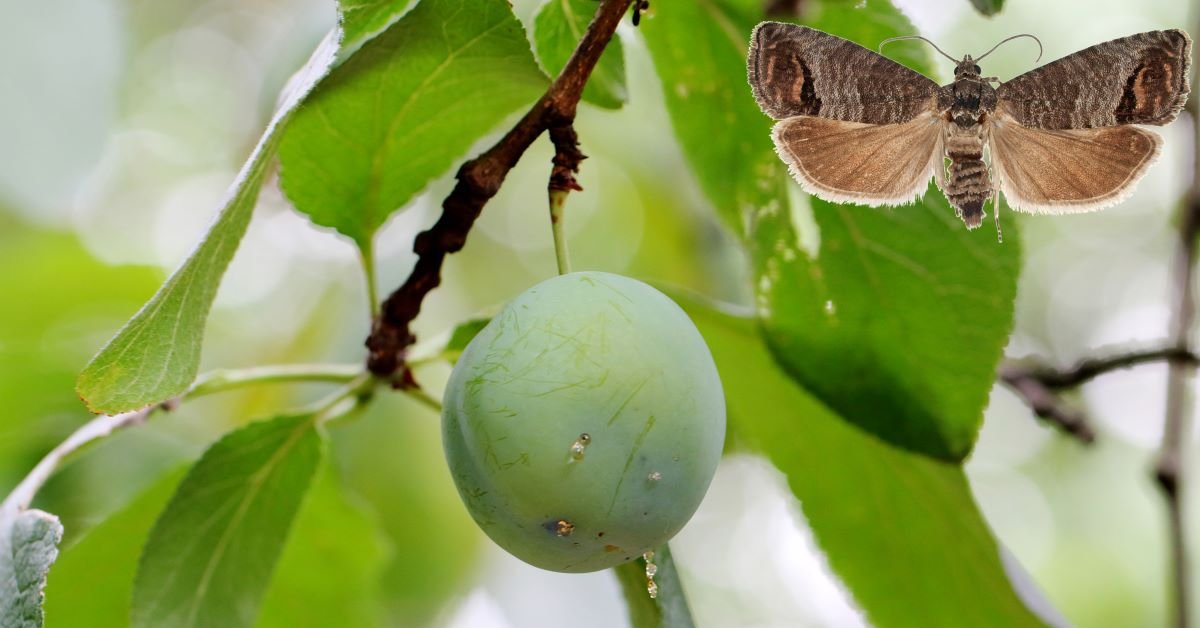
(99, 427)
(478, 181)
(1089, 368)
(1044, 402)
(207, 384)
(1168, 470)
(1038, 385)
(224, 379)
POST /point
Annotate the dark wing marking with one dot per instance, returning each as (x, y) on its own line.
(1140, 79)
(798, 71)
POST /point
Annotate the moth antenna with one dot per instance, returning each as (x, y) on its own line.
(892, 39)
(1039, 43)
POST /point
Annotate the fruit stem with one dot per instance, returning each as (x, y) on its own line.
(558, 200)
(669, 607)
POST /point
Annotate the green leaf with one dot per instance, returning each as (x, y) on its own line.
(28, 546)
(402, 109)
(869, 23)
(898, 323)
(900, 318)
(360, 19)
(988, 7)
(901, 529)
(700, 56)
(156, 355)
(210, 555)
(557, 30)
(43, 342)
(80, 594)
(462, 336)
(669, 607)
(328, 574)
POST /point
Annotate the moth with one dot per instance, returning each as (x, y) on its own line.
(857, 127)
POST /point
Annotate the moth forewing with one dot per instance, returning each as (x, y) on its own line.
(1069, 171)
(1139, 79)
(853, 162)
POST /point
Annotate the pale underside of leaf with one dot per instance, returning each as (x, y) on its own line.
(28, 546)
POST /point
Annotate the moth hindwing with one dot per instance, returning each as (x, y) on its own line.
(857, 127)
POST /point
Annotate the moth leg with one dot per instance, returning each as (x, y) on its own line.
(996, 211)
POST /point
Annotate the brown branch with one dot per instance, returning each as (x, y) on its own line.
(1039, 385)
(478, 181)
(1043, 400)
(1087, 369)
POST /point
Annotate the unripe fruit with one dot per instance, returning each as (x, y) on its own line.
(584, 423)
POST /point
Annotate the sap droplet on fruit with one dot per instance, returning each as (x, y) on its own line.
(579, 446)
(651, 570)
(653, 476)
(562, 527)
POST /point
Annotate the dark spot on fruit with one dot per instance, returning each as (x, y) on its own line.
(600, 535)
(611, 548)
(560, 527)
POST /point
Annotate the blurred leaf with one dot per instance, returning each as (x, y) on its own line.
(900, 529)
(402, 109)
(462, 336)
(360, 19)
(899, 320)
(700, 56)
(46, 338)
(669, 608)
(328, 574)
(868, 23)
(156, 355)
(988, 7)
(420, 514)
(79, 593)
(211, 553)
(28, 546)
(558, 28)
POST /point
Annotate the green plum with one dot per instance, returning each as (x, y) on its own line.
(584, 423)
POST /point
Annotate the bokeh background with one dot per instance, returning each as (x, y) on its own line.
(122, 122)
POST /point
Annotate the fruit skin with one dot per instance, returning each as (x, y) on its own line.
(584, 353)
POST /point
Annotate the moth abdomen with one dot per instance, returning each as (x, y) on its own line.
(969, 186)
